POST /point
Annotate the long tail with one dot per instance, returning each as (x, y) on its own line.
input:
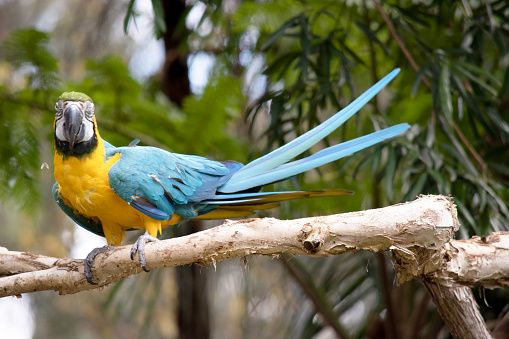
(275, 166)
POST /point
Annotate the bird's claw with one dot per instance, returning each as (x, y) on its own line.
(139, 246)
(89, 260)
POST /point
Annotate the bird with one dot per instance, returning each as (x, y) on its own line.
(108, 190)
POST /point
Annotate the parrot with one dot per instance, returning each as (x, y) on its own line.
(109, 190)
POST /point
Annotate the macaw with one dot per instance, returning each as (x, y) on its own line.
(108, 190)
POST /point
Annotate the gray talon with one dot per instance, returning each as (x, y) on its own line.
(89, 260)
(139, 246)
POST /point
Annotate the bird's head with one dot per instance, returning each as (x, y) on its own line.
(75, 125)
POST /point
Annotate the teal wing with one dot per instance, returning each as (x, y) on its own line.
(92, 225)
(159, 183)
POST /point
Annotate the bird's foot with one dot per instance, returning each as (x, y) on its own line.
(139, 246)
(90, 260)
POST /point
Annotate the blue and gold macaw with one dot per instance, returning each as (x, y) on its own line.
(108, 190)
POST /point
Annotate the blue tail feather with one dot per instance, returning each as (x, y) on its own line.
(318, 159)
(274, 166)
(308, 139)
(252, 199)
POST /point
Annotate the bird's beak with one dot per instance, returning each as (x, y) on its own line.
(74, 130)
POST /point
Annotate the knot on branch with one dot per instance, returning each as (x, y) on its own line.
(311, 238)
(434, 229)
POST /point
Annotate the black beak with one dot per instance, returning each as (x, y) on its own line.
(73, 125)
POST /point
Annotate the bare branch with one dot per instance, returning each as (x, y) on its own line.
(425, 224)
(417, 233)
(459, 310)
(480, 260)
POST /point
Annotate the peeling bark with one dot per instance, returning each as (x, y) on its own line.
(409, 229)
(479, 260)
(476, 261)
(418, 234)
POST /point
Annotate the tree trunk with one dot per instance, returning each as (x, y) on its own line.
(193, 308)
(459, 310)
(175, 78)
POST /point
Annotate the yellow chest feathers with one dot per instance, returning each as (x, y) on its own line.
(84, 182)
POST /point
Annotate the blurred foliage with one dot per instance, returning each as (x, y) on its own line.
(281, 68)
(159, 20)
(320, 55)
(35, 75)
(455, 147)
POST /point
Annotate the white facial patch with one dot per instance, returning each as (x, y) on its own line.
(89, 129)
(59, 130)
(87, 124)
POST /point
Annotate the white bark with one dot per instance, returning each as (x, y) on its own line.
(480, 260)
(417, 233)
(422, 226)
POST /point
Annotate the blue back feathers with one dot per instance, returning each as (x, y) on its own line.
(160, 183)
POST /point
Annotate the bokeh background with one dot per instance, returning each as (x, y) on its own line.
(234, 79)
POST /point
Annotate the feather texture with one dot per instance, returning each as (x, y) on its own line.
(114, 189)
(301, 144)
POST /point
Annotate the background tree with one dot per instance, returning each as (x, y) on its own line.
(278, 69)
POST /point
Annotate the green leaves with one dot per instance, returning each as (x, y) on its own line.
(444, 91)
(19, 157)
(129, 15)
(159, 20)
(458, 95)
(21, 115)
(313, 58)
(207, 119)
(271, 39)
(28, 52)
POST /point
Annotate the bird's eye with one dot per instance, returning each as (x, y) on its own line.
(59, 108)
(89, 110)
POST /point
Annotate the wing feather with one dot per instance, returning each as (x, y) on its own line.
(159, 183)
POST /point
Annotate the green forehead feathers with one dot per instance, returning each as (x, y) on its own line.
(74, 96)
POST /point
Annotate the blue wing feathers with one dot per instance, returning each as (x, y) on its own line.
(186, 211)
(168, 182)
(159, 183)
(153, 212)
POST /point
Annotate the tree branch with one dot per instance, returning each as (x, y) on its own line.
(417, 233)
(459, 310)
(425, 224)
(480, 260)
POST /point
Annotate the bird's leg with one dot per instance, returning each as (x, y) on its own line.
(139, 246)
(90, 260)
